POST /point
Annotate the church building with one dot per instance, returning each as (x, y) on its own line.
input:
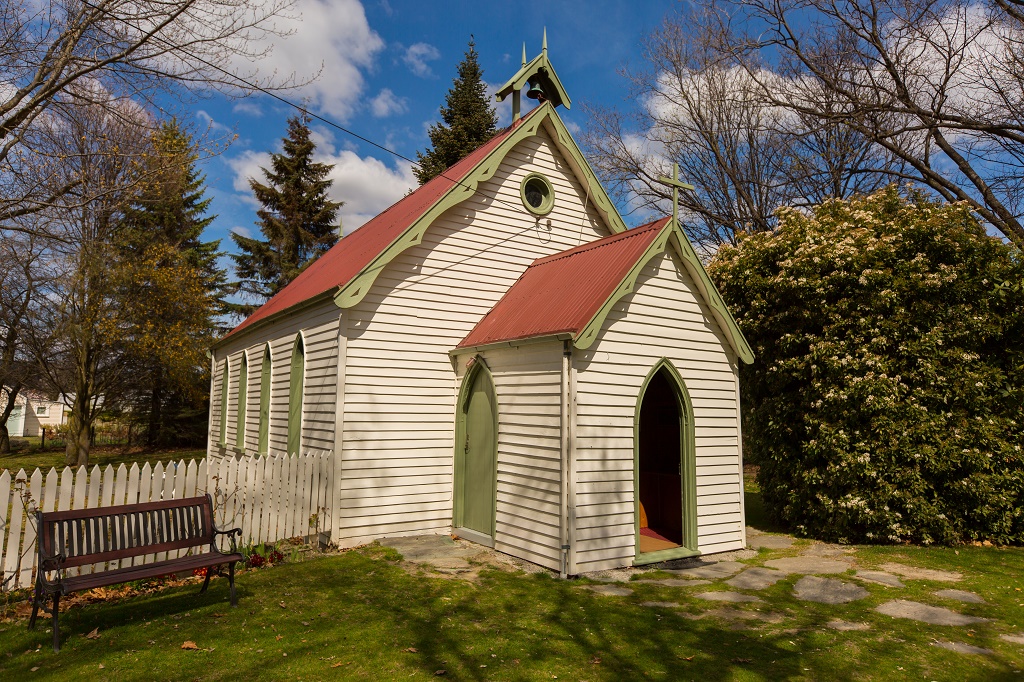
(499, 357)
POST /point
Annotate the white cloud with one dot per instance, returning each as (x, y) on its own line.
(387, 103)
(328, 37)
(211, 124)
(503, 109)
(365, 184)
(242, 231)
(249, 107)
(417, 56)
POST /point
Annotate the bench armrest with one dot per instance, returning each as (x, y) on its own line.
(231, 533)
(51, 563)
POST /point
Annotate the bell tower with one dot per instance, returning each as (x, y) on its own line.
(540, 75)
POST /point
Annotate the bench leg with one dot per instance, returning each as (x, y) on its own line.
(206, 583)
(36, 597)
(56, 625)
(231, 581)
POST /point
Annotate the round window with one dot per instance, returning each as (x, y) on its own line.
(538, 194)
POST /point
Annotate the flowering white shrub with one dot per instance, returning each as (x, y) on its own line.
(886, 403)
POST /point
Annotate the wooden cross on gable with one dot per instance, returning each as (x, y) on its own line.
(676, 184)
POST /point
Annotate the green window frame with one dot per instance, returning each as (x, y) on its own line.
(537, 194)
(243, 385)
(296, 387)
(265, 373)
(224, 404)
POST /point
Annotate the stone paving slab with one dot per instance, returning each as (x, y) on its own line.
(732, 613)
(660, 604)
(1016, 639)
(769, 542)
(712, 570)
(756, 578)
(933, 615)
(880, 577)
(675, 582)
(963, 648)
(432, 549)
(733, 597)
(808, 565)
(613, 575)
(827, 590)
(609, 590)
(846, 626)
(915, 573)
(961, 595)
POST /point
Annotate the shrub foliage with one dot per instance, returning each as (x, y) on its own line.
(885, 404)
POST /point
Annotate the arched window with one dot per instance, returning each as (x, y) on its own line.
(265, 371)
(243, 381)
(224, 403)
(295, 390)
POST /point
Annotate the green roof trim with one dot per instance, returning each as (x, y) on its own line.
(674, 235)
(352, 293)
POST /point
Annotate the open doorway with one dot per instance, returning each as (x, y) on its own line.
(666, 510)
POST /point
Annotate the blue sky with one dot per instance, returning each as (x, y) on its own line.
(385, 66)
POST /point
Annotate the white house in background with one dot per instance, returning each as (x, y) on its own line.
(32, 411)
(497, 356)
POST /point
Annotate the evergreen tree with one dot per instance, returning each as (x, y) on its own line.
(161, 233)
(468, 121)
(298, 220)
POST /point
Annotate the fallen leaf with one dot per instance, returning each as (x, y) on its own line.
(337, 665)
(304, 623)
(35, 669)
(595, 660)
(219, 615)
(687, 658)
(189, 645)
(411, 650)
(95, 634)
(279, 638)
(438, 673)
(282, 605)
(102, 666)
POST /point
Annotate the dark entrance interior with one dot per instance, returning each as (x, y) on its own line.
(660, 466)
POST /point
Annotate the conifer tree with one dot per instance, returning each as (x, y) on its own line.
(298, 220)
(162, 233)
(468, 121)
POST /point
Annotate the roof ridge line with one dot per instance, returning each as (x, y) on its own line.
(598, 243)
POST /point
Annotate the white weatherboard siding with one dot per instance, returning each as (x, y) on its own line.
(319, 326)
(664, 317)
(527, 385)
(400, 388)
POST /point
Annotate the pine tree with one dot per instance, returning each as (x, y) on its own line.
(468, 121)
(298, 220)
(174, 287)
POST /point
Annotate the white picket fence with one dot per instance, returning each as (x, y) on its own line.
(271, 498)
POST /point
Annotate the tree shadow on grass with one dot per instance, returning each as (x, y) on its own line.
(610, 639)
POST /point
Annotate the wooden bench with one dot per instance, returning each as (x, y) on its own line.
(124, 535)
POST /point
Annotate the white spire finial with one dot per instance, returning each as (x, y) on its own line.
(544, 47)
(524, 54)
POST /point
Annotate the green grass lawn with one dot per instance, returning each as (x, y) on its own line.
(360, 615)
(29, 457)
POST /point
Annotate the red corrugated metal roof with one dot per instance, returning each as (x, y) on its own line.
(560, 294)
(349, 256)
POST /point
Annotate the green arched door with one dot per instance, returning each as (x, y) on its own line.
(475, 478)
